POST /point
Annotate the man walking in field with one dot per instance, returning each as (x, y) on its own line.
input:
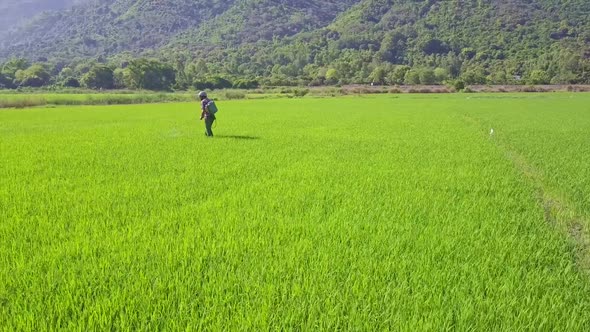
(208, 110)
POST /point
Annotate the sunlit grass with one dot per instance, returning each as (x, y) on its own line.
(356, 213)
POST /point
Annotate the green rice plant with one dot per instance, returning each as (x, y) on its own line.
(550, 149)
(370, 213)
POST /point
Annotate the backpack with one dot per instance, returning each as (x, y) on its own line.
(211, 107)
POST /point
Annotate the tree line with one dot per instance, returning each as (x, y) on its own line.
(145, 74)
(180, 72)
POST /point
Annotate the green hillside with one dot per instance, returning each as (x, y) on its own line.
(15, 12)
(108, 27)
(322, 42)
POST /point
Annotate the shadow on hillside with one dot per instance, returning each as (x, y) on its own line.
(242, 137)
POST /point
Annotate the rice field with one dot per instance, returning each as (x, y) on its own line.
(374, 213)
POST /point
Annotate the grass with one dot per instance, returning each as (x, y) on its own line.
(21, 100)
(388, 212)
(30, 99)
(77, 96)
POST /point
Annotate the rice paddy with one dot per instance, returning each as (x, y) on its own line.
(371, 213)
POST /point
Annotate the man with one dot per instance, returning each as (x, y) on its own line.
(206, 113)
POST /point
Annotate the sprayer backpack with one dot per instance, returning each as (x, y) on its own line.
(211, 107)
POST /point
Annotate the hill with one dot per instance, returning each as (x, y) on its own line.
(108, 27)
(324, 41)
(13, 13)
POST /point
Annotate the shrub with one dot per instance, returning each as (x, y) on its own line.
(578, 88)
(28, 101)
(215, 82)
(441, 75)
(99, 77)
(459, 85)
(429, 90)
(412, 77)
(34, 76)
(427, 76)
(528, 88)
(300, 92)
(538, 77)
(149, 74)
(234, 94)
(71, 82)
(245, 84)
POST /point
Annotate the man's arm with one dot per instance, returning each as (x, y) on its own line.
(203, 109)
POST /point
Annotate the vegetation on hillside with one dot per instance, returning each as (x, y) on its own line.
(15, 12)
(314, 42)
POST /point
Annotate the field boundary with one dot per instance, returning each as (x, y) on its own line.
(557, 210)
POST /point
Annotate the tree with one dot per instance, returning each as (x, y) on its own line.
(565, 78)
(393, 47)
(83, 68)
(498, 77)
(398, 75)
(468, 53)
(150, 74)
(441, 75)
(71, 82)
(214, 82)
(119, 78)
(427, 76)
(220, 83)
(412, 77)
(452, 63)
(13, 65)
(332, 76)
(99, 77)
(538, 76)
(435, 46)
(319, 77)
(34, 76)
(66, 72)
(475, 75)
(246, 84)
(5, 82)
(67, 78)
(379, 75)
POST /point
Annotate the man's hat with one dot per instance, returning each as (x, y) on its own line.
(203, 94)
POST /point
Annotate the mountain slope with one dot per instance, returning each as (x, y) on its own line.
(305, 39)
(475, 24)
(15, 12)
(251, 21)
(108, 27)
